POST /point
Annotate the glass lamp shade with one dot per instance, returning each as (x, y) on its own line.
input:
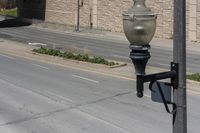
(139, 23)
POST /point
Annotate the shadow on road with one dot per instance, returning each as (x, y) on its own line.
(12, 23)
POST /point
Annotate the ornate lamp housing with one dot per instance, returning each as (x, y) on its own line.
(139, 24)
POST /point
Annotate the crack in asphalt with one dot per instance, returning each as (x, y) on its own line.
(36, 116)
(103, 99)
(47, 114)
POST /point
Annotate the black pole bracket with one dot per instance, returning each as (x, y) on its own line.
(153, 78)
(174, 80)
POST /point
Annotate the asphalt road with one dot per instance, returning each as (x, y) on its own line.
(42, 98)
(111, 48)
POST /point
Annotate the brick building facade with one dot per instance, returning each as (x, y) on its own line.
(106, 14)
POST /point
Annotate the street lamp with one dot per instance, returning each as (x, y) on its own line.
(139, 24)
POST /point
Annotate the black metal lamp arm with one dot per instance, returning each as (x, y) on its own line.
(173, 75)
(157, 76)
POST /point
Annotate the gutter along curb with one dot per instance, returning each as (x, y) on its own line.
(123, 71)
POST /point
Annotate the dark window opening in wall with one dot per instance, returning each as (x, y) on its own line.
(38, 1)
(33, 9)
(8, 4)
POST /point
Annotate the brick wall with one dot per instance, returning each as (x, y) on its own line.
(65, 12)
(110, 14)
(107, 15)
(110, 18)
(198, 20)
(60, 11)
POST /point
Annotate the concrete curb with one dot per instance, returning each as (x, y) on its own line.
(121, 64)
(124, 71)
(193, 85)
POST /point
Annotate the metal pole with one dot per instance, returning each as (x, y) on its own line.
(180, 118)
(78, 16)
